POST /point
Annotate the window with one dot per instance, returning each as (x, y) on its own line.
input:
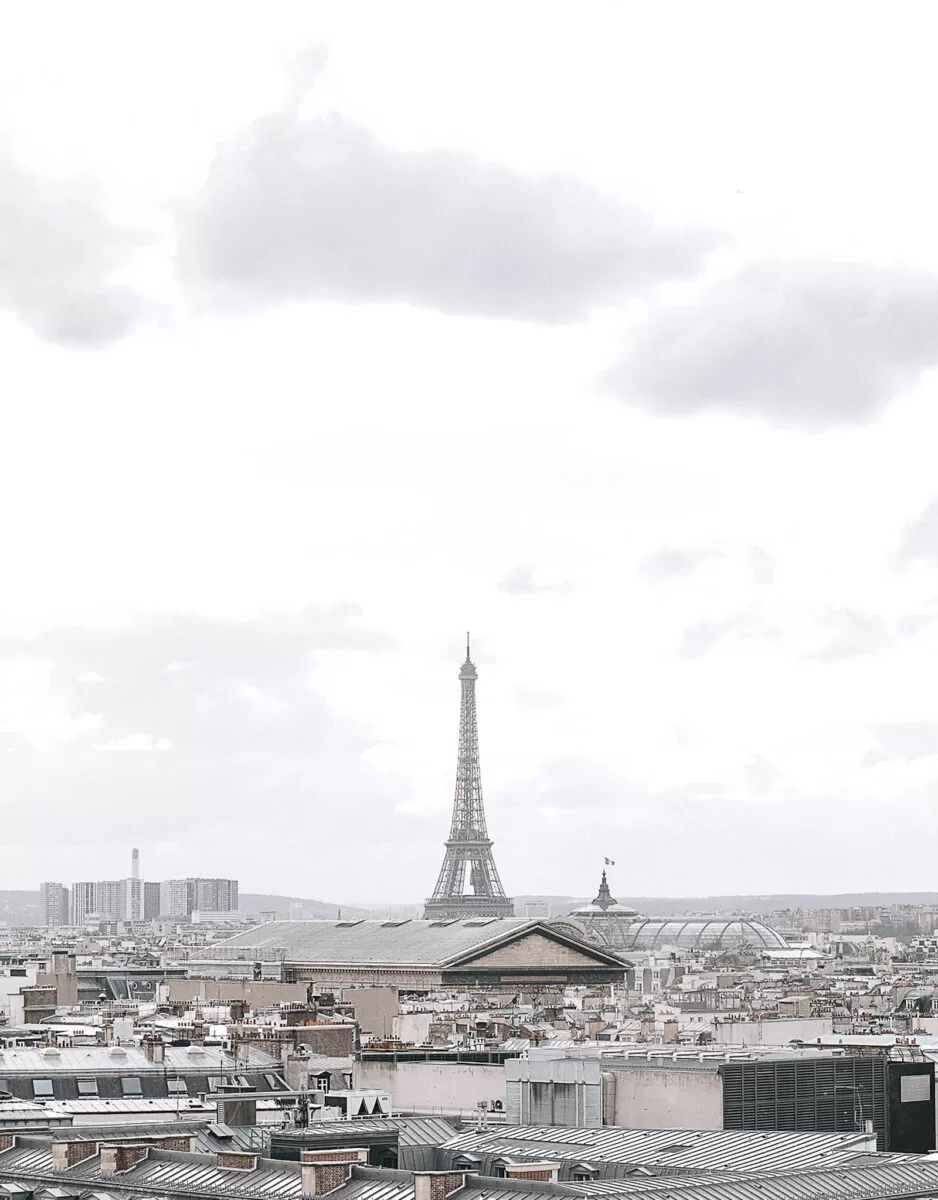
(242, 1081)
(212, 1083)
(130, 1085)
(87, 1087)
(271, 1081)
(42, 1087)
(177, 1086)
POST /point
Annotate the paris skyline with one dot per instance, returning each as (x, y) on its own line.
(636, 383)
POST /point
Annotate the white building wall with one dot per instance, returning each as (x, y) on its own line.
(433, 1087)
(11, 1002)
(648, 1097)
(771, 1033)
(413, 1028)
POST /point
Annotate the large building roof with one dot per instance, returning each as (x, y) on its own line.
(430, 944)
(132, 1060)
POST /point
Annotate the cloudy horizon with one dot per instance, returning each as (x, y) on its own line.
(333, 330)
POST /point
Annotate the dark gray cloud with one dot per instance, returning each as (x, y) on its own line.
(919, 540)
(298, 208)
(813, 344)
(905, 741)
(848, 633)
(522, 581)
(60, 258)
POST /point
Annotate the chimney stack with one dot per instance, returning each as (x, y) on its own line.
(67, 1154)
(534, 1172)
(437, 1185)
(155, 1049)
(322, 1171)
(118, 1157)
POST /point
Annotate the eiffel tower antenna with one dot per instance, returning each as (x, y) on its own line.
(469, 847)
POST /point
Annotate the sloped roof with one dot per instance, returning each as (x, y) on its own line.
(430, 944)
(678, 1149)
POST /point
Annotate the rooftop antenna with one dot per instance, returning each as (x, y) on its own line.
(467, 644)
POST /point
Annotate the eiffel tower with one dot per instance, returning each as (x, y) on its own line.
(469, 847)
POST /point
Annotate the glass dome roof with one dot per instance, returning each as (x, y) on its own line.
(643, 933)
(607, 922)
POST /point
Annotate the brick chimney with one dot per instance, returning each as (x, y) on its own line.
(119, 1157)
(176, 1141)
(437, 1185)
(323, 1171)
(234, 1160)
(154, 1049)
(534, 1172)
(7, 1141)
(69, 1154)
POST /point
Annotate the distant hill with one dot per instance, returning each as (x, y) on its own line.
(25, 908)
(659, 906)
(254, 903)
(21, 908)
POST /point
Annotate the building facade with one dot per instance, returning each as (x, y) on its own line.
(181, 897)
(55, 904)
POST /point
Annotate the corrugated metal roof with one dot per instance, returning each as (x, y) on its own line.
(191, 1173)
(419, 943)
(370, 1183)
(909, 1178)
(252, 1138)
(412, 1131)
(677, 1149)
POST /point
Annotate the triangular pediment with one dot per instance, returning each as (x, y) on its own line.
(537, 950)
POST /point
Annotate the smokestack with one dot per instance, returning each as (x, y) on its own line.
(135, 863)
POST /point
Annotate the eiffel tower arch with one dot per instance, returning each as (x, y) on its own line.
(468, 884)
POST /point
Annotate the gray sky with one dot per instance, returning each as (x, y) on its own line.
(608, 331)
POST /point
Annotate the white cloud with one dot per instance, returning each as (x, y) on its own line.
(136, 742)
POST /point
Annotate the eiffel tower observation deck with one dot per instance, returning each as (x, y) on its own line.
(468, 885)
